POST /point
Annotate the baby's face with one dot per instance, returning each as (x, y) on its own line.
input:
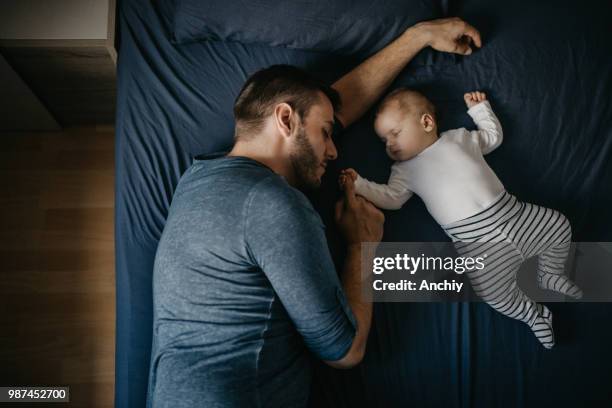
(403, 134)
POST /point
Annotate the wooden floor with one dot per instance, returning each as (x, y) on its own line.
(57, 274)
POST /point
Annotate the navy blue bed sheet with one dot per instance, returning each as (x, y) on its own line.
(546, 67)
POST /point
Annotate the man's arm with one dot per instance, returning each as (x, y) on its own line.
(352, 285)
(361, 87)
(285, 237)
(359, 222)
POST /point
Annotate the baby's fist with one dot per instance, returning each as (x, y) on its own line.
(474, 98)
(347, 176)
(351, 173)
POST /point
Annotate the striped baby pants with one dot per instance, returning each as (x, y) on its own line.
(509, 232)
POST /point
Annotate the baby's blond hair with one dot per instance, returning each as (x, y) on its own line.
(408, 101)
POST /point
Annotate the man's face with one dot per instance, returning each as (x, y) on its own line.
(313, 146)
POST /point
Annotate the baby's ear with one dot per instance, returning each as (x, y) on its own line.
(428, 122)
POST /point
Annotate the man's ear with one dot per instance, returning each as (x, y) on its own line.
(284, 119)
(428, 122)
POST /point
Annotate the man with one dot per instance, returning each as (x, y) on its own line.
(243, 281)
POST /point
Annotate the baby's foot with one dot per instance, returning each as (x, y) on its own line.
(474, 98)
(542, 327)
(559, 283)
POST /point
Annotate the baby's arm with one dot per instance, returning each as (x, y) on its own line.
(390, 196)
(489, 134)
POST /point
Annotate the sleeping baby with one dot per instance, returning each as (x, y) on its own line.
(467, 199)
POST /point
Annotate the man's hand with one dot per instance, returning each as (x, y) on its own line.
(358, 220)
(448, 35)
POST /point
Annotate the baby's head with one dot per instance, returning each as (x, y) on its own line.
(406, 123)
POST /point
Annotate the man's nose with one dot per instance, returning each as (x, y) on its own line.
(331, 152)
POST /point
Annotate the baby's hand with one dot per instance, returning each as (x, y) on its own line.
(474, 98)
(347, 176)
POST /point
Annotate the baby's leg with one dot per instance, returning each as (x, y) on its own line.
(547, 233)
(496, 284)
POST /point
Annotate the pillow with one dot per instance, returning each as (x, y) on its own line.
(334, 26)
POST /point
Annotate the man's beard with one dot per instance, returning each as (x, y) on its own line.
(305, 163)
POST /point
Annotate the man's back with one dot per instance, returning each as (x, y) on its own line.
(229, 287)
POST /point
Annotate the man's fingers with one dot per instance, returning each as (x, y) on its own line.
(462, 46)
(473, 34)
(375, 211)
(338, 210)
(349, 193)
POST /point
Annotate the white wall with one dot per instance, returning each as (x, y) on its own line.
(53, 19)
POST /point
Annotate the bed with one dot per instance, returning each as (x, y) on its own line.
(546, 67)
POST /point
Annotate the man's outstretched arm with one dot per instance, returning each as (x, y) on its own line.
(361, 87)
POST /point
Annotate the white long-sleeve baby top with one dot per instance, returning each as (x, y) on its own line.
(451, 176)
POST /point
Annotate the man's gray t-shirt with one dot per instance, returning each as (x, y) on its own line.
(243, 284)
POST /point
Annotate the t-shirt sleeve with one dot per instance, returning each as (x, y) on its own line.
(285, 238)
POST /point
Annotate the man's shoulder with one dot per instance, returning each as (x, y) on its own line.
(275, 194)
(223, 177)
(271, 203)
(241, 181)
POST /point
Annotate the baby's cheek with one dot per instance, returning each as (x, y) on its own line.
(407, 145)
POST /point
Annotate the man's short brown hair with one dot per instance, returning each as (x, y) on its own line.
(277, 84)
